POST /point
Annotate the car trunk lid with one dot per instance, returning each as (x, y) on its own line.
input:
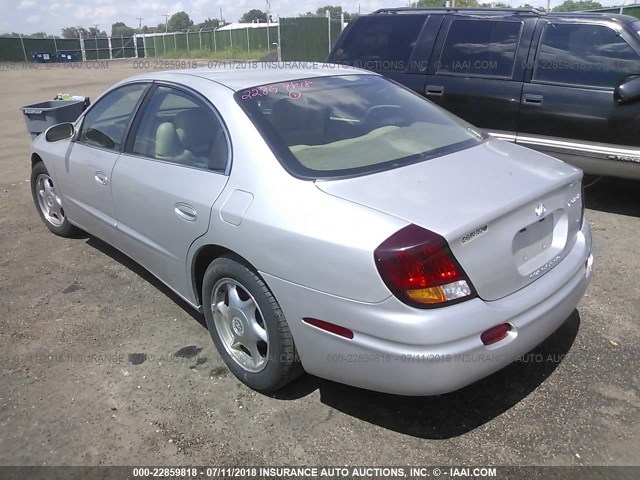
(508, 213)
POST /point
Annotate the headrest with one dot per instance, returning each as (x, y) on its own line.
(194, 128)
(167, 141)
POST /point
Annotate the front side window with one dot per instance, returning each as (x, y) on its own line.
(351, 125)
(105, 124)
(380, 42)
(485, 48)
(585, 55)
(176, 127)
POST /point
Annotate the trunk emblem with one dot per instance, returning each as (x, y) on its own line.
(540, 210)
(475, 234)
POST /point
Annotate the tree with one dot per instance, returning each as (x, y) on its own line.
(443, 3)
(209, 23)
(571, 6)
(119, 29)
(96, 32)
(335, 12)
(74, 32)
(179, 22)
(254, 15)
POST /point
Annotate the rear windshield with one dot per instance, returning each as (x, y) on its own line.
(351, 125)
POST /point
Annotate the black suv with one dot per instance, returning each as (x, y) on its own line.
(566, 84)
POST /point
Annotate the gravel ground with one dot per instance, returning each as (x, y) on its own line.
(102, 365)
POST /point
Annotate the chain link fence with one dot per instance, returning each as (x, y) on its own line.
(241, 40)
(294, 39)
(308, 38)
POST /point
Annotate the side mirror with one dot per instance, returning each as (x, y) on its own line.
(628, 91)
(58, 132)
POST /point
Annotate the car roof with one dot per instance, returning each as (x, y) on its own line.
(245, 74)
(506, 11)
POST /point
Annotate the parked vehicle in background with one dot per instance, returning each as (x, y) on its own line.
(566, 84)
(331, 220)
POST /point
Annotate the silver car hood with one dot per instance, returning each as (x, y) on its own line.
(483, 201)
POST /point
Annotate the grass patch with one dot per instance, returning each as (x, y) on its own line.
(226, 54)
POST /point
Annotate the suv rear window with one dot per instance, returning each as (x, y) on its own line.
(380, 42)
(484, 48)
(351, 125)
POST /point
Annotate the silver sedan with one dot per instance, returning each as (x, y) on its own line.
(325, 220)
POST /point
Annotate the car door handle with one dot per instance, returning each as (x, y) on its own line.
(434, 90)
(101, 178)
(532, 99)
(186, 212)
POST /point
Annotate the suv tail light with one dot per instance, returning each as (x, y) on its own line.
(419, 268)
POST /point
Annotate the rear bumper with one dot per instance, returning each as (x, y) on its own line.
(402, 350)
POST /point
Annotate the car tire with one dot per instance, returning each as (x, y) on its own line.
(247, 326)
(48, 202)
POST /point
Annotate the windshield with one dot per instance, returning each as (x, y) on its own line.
(351, 125)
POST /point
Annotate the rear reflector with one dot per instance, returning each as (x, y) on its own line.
(495, 334)
(329, 327)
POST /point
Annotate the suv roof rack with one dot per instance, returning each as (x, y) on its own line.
(534, 11)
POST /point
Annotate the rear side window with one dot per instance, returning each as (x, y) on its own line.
(380, 42)
(484, 48)
(178, 128)
(582, 54)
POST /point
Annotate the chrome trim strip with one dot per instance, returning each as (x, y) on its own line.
(581, 148)
(502, 135)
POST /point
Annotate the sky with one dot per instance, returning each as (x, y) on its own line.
(30, 16)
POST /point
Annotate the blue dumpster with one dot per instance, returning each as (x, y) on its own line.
(42, 57)
(64, 57)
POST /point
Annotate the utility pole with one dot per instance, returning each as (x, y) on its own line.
(139, 24)
(328, 14)
(221, 18)
(166, 22)
(548, 6)
(95, 37)
(268, 14)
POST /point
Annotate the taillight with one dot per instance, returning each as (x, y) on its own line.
(419, 268)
